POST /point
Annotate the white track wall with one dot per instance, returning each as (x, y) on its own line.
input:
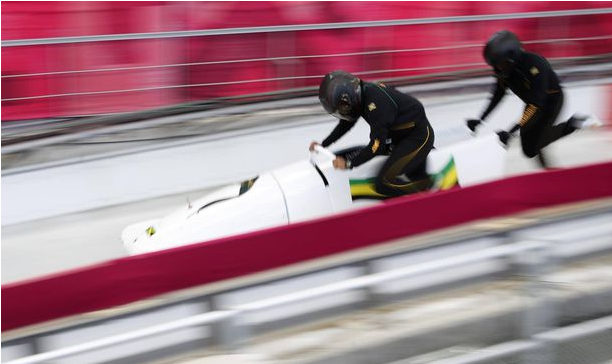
(99, 183)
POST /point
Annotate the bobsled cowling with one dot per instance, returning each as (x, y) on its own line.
(302, 191)
(297, 192)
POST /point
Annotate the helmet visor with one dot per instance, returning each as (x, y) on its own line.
(344, 111)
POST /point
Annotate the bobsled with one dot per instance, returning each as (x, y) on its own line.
(305, 190)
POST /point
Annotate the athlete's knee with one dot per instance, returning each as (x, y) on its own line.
(380, 186)
(384, 187)
(530, 151)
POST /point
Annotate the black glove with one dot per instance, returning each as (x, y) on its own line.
(473, 123)
(504, 136)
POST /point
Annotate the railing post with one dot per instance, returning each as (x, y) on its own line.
(541, 312)
(372, 298)
(231, 332)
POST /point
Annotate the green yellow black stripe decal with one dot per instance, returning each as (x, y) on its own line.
(443, 180)
(364, 188)
(447, 177)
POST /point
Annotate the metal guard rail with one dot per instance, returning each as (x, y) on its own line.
(228, 319)
(20, 137)
(290, 28)
(538, 342)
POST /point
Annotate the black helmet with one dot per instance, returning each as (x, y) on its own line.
(502, 50)
(340, 95)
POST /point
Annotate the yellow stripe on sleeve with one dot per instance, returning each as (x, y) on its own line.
(375, 145)
(528, 114)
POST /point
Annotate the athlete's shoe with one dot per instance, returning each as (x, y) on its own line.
(579, 121)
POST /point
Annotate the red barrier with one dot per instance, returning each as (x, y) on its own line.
(130, 279)
(608, 118)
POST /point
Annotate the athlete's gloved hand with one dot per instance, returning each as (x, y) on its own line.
(504, 136)
(473, 123)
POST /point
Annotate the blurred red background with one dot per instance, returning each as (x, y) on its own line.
(173, 85)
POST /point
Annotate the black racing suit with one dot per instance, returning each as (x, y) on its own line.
(533, 80)
(398, 125)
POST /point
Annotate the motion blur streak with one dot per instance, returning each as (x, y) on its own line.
(77, 79)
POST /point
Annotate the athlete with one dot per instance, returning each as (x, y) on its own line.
(398, 128)
(533, 80)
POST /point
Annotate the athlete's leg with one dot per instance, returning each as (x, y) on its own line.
(409, 157)
(536, 136)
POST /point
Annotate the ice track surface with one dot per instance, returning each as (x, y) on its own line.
(57, 244)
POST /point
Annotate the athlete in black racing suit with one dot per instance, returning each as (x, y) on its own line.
(533, 80)
(398, 126)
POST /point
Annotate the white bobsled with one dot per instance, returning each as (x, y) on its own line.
(301, 191)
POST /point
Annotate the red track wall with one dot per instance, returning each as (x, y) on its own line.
(130, 279)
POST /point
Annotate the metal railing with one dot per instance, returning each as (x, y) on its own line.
(542, 348)
(199, 320)
(291, 78)
(231, 330)
(291, 28)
